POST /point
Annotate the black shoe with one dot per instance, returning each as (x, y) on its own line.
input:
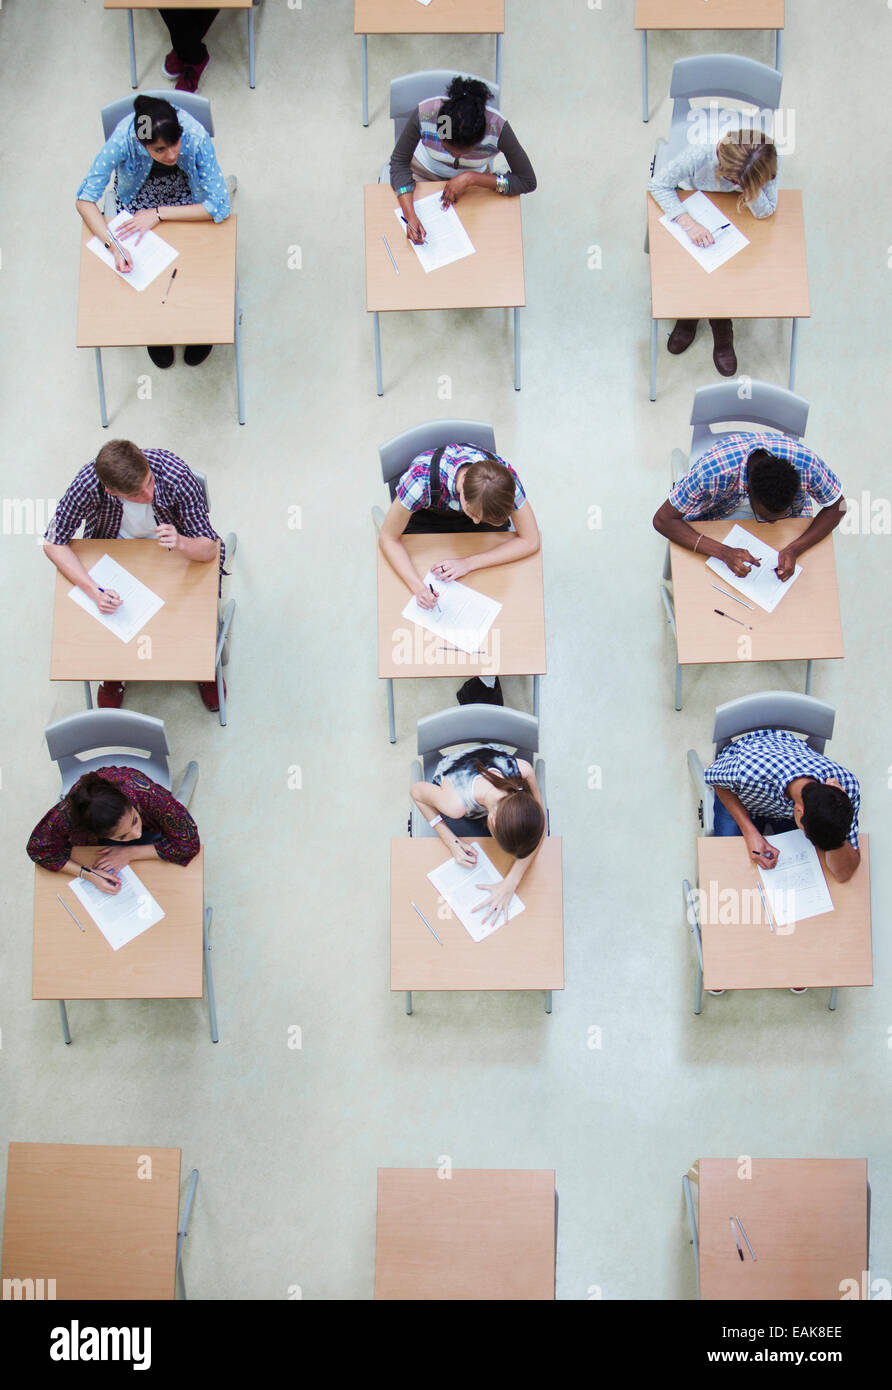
(196, 354)
(161, 356)
(474, 692)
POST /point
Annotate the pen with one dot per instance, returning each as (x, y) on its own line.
(117, 245)
(771, 926)
(390, 253)
(67, 908)
(446, 648)
(750, 606)
(173, 276)
(736, 1241)
(733, 620)
(434, 934)
(745, 1236)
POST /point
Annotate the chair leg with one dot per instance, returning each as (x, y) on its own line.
(88, 695)
(209, 974)
(645, 112)
(132, 48)
(186, 790)
(63, 1014)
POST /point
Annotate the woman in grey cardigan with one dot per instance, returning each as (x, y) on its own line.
(744, 161)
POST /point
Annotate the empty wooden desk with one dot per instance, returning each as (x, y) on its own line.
(806, 1220)
(766, 280)
(163, 962)
(482, 1233)
(131, 5)
(491, 278)
(805, 626)
(719, 14)
(525, 953)
(178, 643)
(438, 17)
(99, 1221)
(202, 302)
(740, 951)
(514, 645)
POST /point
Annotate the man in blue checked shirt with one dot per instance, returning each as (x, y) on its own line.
(771, 776)
(776, 475)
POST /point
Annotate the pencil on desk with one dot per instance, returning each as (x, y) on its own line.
(390, 253)
(426, 923)
(765, 905)
(745, 1236)
(67, 909)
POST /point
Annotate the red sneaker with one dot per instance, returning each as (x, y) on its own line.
(208, 692)
(190, 77)
(110, 695)
(173, 66)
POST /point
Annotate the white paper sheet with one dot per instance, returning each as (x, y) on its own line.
(139, 603)
(119, 916)
(462, 617)
(761, 584)
(796, 887)
(458, 887)
(150, 257)
(728, 238)
(446, 241)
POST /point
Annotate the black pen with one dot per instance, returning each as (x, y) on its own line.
(733, 620)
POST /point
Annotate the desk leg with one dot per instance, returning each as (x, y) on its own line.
(777, 49)
(209, 974)
(536, 696)
(809, 669)
(499, 62)
(645, 113)
(378, 378)
(408, 1001)
(548, 1001)
(221, 697)
(834, 995)
(251, 48)
(391, 720)
(64, 1016)
(698, 991)
(88, 695)
(517, 348)
(183, 1230)
(365, 79)
(239, 374)
(677, 685)
(794, 344)
(103, 417)
(653, 359)
(132, 48)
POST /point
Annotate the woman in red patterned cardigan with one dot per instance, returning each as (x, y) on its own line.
(121, 809)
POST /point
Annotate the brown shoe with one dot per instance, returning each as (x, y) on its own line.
(682, 335)
(723, 354)
(208, 692)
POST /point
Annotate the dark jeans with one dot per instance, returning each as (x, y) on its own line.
(187, 30)
(725, 824)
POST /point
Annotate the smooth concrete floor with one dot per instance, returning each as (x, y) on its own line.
(287, 1141)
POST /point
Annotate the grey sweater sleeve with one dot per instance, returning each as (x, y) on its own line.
(401, 159)
(521, 178)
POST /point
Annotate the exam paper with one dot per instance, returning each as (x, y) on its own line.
(761, 584)
(150, 257)
(462, 616)
(138, 605)
(446, 241)
(119, 916)
(796, 887)
(728, 238)
(459, 888)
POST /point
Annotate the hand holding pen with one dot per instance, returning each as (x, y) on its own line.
(108, 600)
(414, 230)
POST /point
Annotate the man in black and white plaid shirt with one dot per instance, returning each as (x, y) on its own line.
(132, 494)
(772, 776)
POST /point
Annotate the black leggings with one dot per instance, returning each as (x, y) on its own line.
(187, 31)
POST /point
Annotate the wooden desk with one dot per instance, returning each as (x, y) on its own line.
(202, 304)
(440, 17)
(131, 5)
(183, 633)
(515, 644)
(525, 953)
(164, 962)
(82, 1215)
(491, 278)
(805, 626)
(483, 1234)
(806, 1219)
(834, 949)
(720, 14)
(767, 279)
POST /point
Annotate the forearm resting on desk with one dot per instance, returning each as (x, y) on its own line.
(199, 548)
(842, 862)
(92, 216)
(673, 526)
(397, 556)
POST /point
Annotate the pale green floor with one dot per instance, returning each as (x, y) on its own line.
(288, 1141)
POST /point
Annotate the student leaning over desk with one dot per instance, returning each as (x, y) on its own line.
(122, 810)
(743, 161)
(165, 170)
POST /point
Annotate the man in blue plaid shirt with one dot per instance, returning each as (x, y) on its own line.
(776, 475)
(132, 494)
(772, 776)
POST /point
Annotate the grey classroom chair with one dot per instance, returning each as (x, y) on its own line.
(196, 106)
(397, 454)
(769, 709)
(224, 616)
(407, 92)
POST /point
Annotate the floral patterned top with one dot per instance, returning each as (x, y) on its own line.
(177, 840)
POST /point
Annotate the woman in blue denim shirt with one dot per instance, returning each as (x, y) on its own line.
(165, 170)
